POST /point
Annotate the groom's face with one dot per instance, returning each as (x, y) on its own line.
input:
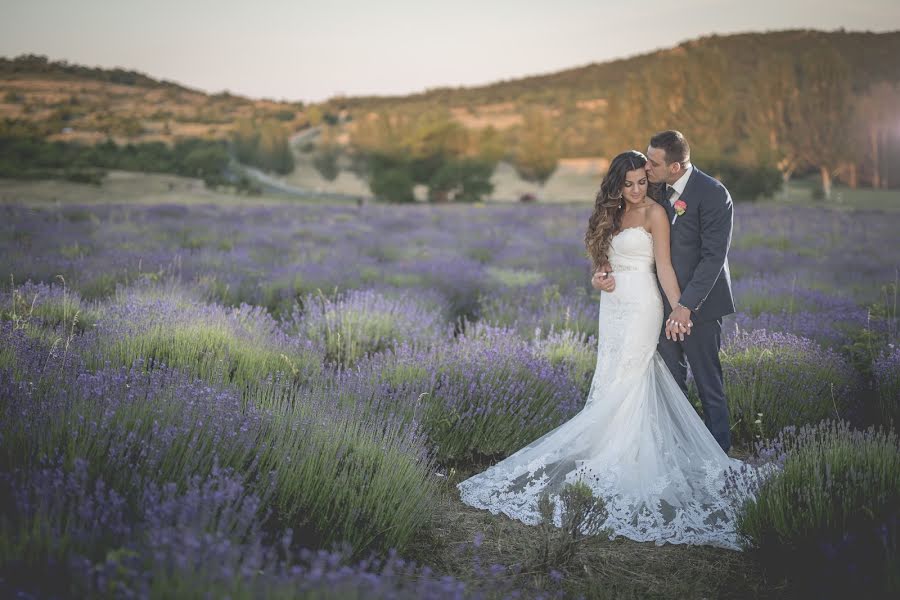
(657, 169)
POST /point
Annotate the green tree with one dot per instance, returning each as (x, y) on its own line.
(768, 104)
(206, 162)
(708, 108)
(393, 184)
(466, 180)
(274, 150)
(537, 153)
(380, 133)
(820, 118)
(396, 152)
(325, 161)
(314, 115)
(745, 183)
(432, 141)
(491, 146)
(245, 139)
(264, 145)
(876, 112)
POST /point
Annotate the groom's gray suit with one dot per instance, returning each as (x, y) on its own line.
(700, 240)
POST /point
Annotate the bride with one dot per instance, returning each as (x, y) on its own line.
(637, 443)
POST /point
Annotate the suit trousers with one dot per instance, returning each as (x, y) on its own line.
(701, 349)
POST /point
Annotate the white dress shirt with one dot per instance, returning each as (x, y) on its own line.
(679, 185)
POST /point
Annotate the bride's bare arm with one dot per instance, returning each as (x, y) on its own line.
(659, 228)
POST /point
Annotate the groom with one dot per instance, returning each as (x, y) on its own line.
(700, 213)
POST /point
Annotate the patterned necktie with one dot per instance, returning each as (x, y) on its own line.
(670, 191)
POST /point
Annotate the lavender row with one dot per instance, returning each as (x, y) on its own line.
(269, 255)
(828, 520)
(69, 534)
(347, 474)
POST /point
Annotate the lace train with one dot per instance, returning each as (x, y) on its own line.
(637, 443)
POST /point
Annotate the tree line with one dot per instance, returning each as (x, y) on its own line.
(26, 154)
(790, 102)
(396, 152)
(35, 158)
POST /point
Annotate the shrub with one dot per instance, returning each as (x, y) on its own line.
(773, 380)
(53, 518)
(544, 309)
(575, 353)
(65, 534)
(130, 425)
(341, 471)
(487, 394)
(746, 183)
(458, 280)
(492, 394)
(358, 323)
(567, 519)
(830, 518)
(887, 386)
(47, 306)
(346, 474)
(243, 345)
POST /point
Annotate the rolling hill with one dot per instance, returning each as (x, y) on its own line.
(740, 98)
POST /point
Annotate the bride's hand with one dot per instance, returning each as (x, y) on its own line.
(679, 324)
(676, 331)
(603, 281)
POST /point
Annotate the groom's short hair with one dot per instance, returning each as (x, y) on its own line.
(674, 144)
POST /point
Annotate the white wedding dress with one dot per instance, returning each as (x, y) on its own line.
(638, 443)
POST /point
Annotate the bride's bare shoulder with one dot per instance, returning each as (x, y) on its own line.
(656, 211)
(655, 208)
(656, 217)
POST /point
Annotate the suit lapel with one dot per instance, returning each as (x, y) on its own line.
(660, 197)
(688, 188)
(686, 194)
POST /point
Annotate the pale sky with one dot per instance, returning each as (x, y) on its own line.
(302, 50)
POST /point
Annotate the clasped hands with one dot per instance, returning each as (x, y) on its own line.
(678, 324)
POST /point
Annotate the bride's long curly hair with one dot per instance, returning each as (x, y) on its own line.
(610, 206)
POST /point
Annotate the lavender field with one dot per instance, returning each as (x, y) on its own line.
(276, 399)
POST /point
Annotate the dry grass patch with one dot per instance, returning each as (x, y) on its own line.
(459, 537)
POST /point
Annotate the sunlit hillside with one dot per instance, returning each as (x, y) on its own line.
(65, 102)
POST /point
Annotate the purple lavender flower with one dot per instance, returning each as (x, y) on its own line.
(777, 379)
(828, 516)
(364, 322)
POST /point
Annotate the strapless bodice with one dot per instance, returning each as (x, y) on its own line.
(632, 250)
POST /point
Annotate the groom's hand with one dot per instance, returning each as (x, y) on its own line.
(679, 324)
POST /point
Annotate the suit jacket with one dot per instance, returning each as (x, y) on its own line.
(700, 239)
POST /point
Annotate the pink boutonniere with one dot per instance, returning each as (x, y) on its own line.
(680, 207)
